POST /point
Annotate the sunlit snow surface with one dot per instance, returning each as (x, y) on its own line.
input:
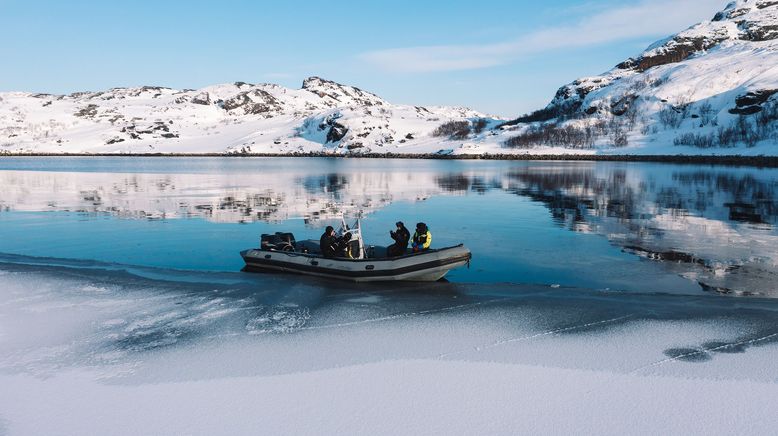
(89, 351)
(123, 310)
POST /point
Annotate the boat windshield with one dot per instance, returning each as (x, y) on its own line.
(356, 235)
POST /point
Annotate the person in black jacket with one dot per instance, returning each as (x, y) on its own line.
(329, 243)
(401, 238)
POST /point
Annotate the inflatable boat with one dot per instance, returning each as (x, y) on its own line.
(281, 253)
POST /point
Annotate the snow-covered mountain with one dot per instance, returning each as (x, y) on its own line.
(709, 88)
(239, 117)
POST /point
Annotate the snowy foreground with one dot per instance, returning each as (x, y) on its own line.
(90, 351)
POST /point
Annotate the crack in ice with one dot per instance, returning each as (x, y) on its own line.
(533, 336)
(704, 350)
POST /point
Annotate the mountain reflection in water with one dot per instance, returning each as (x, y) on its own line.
(713, 225)
(722, 225)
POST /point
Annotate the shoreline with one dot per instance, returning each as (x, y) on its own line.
(760, 161)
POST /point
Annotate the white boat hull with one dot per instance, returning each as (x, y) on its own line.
(427, 266)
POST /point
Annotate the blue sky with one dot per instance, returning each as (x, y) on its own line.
(501, 57)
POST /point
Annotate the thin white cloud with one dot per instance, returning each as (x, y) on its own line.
(645, 19)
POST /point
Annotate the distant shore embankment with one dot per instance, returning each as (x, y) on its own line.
(756, 161)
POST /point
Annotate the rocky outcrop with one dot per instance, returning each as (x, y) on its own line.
(751, 102)
(202, 98)
(254, 102)
(678, 49)
(755, 31)
(336, 131)
(338, 94)
(623, 105)
(88, 111)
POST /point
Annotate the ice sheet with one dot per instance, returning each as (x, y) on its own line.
(99, 352)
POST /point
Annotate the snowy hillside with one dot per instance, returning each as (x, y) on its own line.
(708, 89)
(239, 117)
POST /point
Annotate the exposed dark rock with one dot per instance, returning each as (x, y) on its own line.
(257, 108)
(253, 102)
(169, 135)
(160, 125)
(202, 98)
(156, 89)
(755, 97)
(409, 136)
(753, 31)
(678, 49)
(746, 110)
(329, 89)
(622, 105)
(582, 89)
(766, 4)
(627, 65)
(81, 94)
(236, 101)
(751, 102)
(737, 13)
(337, 131)
(354, 146)
(88, 111)
(115, 118)
(114, 141)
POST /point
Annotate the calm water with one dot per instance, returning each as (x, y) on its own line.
(635, 227)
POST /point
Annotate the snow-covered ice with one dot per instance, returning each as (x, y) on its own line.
(292, 356)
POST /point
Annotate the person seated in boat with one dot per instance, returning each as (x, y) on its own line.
(329, 243)
(422, 238)
(344, 246)
(401, 238)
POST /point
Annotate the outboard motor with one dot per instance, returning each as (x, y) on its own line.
(280, 241)
(286, 241)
